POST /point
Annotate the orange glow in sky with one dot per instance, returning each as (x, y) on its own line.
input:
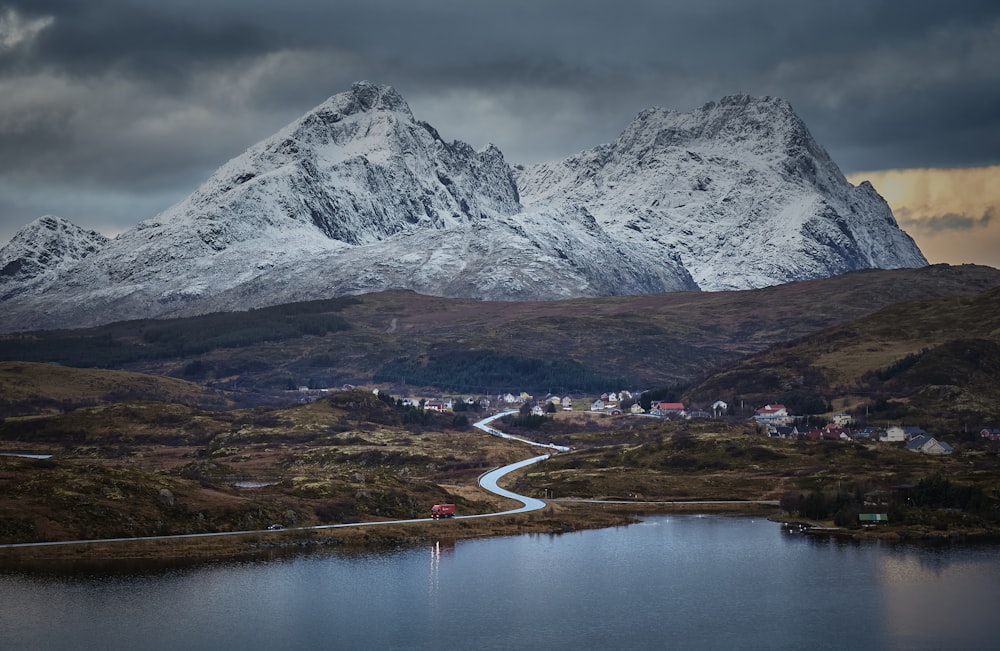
(952, 214)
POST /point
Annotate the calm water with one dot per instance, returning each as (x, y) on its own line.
(683, 582)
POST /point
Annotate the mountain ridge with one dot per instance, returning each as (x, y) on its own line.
(358, 196)
(739, 178)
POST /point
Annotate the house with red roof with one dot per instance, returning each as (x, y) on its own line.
(667, 409)
(773, 415)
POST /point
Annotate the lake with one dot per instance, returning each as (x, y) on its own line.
(685, 582)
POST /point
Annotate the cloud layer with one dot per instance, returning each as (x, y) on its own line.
(950, 213)
(112, 110)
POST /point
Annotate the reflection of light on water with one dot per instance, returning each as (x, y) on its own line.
(964, 594)
(437, 549)
(435, 567)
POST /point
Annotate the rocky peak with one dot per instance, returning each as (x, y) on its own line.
(357, 196)
(365, 96)
(43, 245)
(738, 188)
(747, 122)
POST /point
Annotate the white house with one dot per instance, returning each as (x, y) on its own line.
(898, 434)
(842, 419)
(773, 415)
(894, 434)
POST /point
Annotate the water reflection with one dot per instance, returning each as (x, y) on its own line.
(678, 581)
(964, 595)
(437, 549)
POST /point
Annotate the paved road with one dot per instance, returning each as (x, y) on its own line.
(488, 482)
(485, 426)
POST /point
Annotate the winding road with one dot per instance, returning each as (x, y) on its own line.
(487, 481)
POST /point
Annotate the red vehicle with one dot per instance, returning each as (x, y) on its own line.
(443, 511)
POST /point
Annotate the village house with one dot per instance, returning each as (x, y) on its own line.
(834, 432)
(899, 433)
(869, 434)
(928, 445)
(842, 419)
(538, 410)
(773, 415)
(783, 432)
(567, 403)
(667, 409)
(598, 405)
(438, 405)
(990, 433)
(671, 408)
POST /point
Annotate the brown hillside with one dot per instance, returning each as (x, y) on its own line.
(936, 360)
(474, 346)
(33, 388)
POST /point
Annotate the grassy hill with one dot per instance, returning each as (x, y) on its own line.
(139, 468)
(933, 361)
(28, 388)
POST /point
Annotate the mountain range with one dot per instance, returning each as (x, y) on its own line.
(358, 196)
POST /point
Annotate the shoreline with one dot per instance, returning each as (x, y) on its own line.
(555, 519)
(552, 520)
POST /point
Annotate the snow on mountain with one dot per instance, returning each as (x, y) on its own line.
(358, 196)
(43, 246)
(738, 189)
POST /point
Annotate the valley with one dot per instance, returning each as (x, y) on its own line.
(204, 426)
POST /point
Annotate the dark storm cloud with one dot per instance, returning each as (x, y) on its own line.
(936, 224)
(139, 99)
(91, 38)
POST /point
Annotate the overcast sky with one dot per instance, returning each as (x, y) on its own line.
(112, 110)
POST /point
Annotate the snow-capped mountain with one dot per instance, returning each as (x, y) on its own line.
(41, 247)
(358, 196)
(738, 189)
